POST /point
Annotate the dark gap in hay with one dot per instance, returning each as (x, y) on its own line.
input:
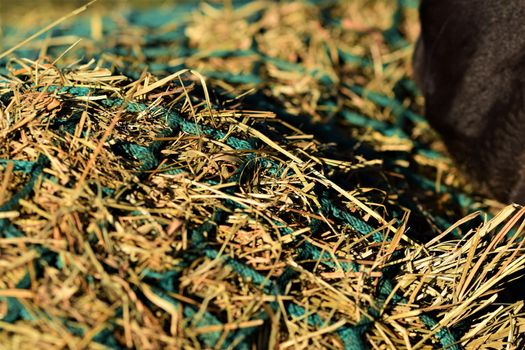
(344, 147)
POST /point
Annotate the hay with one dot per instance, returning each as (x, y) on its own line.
(181, 185)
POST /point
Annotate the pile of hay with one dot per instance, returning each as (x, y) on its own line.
(248, 175)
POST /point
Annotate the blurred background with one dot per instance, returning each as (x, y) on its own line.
(30, 12)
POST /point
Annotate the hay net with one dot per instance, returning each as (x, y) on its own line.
(253, 174)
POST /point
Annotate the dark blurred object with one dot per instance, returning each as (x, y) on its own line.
(470, 64)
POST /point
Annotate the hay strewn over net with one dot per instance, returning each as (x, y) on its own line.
(238, 176)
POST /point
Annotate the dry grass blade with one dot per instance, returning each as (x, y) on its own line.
(47, 28)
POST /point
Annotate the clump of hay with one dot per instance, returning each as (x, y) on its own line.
(224, 210)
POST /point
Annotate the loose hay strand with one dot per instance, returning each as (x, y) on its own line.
(47, 28)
